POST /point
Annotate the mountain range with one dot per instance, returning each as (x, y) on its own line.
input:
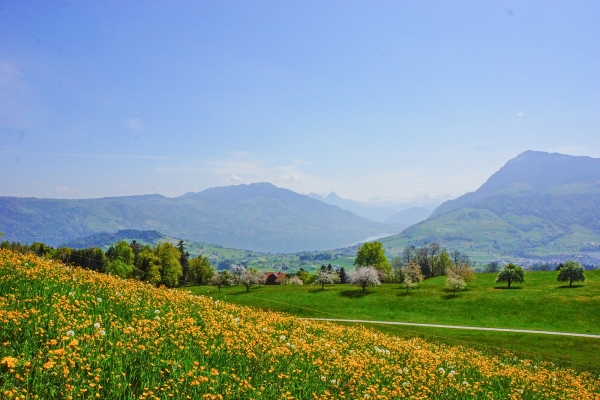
(537, 205)
(258, 217)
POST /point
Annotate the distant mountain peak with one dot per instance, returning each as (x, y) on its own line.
(332, 196)
(261, 184)
(531, 171)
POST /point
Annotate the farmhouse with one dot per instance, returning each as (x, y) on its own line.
(275, 278)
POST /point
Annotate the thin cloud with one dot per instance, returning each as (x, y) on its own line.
(135, 124)
(84, 155)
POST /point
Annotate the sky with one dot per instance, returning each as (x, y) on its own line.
(375, 100)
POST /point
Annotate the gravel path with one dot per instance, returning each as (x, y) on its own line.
(473, 328)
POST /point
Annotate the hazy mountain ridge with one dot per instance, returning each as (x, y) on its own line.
(258, 217)
(398, 213)
(537, 205)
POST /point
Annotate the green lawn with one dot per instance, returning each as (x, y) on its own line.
(540, 303)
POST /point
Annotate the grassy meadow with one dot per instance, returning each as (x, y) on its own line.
(67, 333)
(541, 303)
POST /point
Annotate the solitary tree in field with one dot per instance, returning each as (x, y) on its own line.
(326, 276)
(458, 277)
(511, 273)
(454, 282)
(363, 277)
(571, 271)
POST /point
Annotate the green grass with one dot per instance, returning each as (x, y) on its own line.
(540, 303)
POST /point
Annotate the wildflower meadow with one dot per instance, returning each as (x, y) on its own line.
(68, 333)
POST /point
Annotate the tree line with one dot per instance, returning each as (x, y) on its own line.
(161, 264)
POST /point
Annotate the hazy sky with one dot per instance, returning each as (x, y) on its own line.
(375, 100)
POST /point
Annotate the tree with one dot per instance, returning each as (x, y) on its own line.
(120, 259)
(184, 262)
(443, 263)
(250, 278)
(411, 275)
(148, 266)
(492, 267)
(220, 279)
(511, 273)
(200, 270)
(465, 272)
(364, 276)
(237, 271)
(326, 276)
(421, 258)
(396, 270)
(122, 251)
(92, 258)
(295, 280)
(168, 255)
(306, 276)
(459, 258)
(458, 277)
(372, 255)
(571, 271)
(408, 253)
(343, 276)
(433, 249)
(455, 283)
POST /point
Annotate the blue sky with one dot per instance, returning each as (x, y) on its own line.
(375, 100)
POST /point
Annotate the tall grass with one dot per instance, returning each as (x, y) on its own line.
(75, 334)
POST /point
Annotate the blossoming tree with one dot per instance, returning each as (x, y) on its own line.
(363, 277)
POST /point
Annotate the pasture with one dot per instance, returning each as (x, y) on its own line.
(540, 303)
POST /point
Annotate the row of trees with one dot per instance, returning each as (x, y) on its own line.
(571, 271)
(161, 264)
(432, 260)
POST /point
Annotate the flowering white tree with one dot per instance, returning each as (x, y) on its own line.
(326, 277)
(411, 275)
(454, 282)
(295, 280)
(250, 278)
(237, 271)
(363, 277)
(220, 279)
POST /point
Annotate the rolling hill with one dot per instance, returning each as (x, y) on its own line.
(538, 205)
(258, 217)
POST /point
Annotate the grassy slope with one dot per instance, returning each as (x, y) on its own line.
(71, 333)
(541, 303)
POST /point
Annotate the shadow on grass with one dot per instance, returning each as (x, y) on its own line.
(569, 287)
(242, 292)
(507, 288)
(404, 293)
(355, 294)
(450, 296)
